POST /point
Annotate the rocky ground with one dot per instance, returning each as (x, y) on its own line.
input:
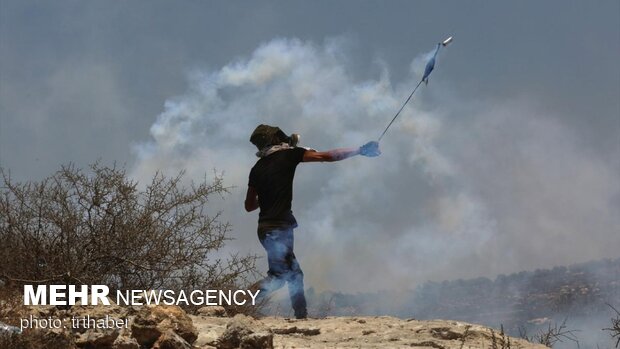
(169, 327)
(348, 332)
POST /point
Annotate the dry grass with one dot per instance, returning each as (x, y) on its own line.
(551, 335)
(500, 341)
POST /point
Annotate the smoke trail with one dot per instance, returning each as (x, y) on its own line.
(462, 189)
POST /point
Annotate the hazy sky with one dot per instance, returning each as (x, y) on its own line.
(509, 159)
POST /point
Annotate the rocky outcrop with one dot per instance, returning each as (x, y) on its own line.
(216, 311)
(171, 340)
(349, 332)
(169, 327)
(148, 326)
(244, 332)
(161, 327)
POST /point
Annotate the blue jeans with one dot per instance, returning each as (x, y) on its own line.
(283, 267)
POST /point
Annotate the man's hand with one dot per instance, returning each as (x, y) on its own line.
(370, 149)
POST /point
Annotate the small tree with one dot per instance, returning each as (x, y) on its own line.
(614, 330)
(100, 228)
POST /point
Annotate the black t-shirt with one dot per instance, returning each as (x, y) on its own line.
(272, 177)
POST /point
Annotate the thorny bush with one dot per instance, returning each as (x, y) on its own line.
(100, 227)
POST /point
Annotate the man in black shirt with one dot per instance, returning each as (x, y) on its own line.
(270, 187)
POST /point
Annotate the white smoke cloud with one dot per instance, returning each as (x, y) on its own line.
(451, 196)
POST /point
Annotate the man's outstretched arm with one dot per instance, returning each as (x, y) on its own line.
(330, 155)
(369, 149)
(251, 199)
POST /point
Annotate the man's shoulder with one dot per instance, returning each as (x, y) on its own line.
(256, 166)
(282, 157)
(298, 154)
(290, 154)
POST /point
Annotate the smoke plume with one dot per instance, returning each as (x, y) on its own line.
(463, 188)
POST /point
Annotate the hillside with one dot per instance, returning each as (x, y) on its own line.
(528, 301)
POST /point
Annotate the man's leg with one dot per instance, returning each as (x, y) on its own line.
(296, 290)
(283, 266)
(295, 278)
(276, 257)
